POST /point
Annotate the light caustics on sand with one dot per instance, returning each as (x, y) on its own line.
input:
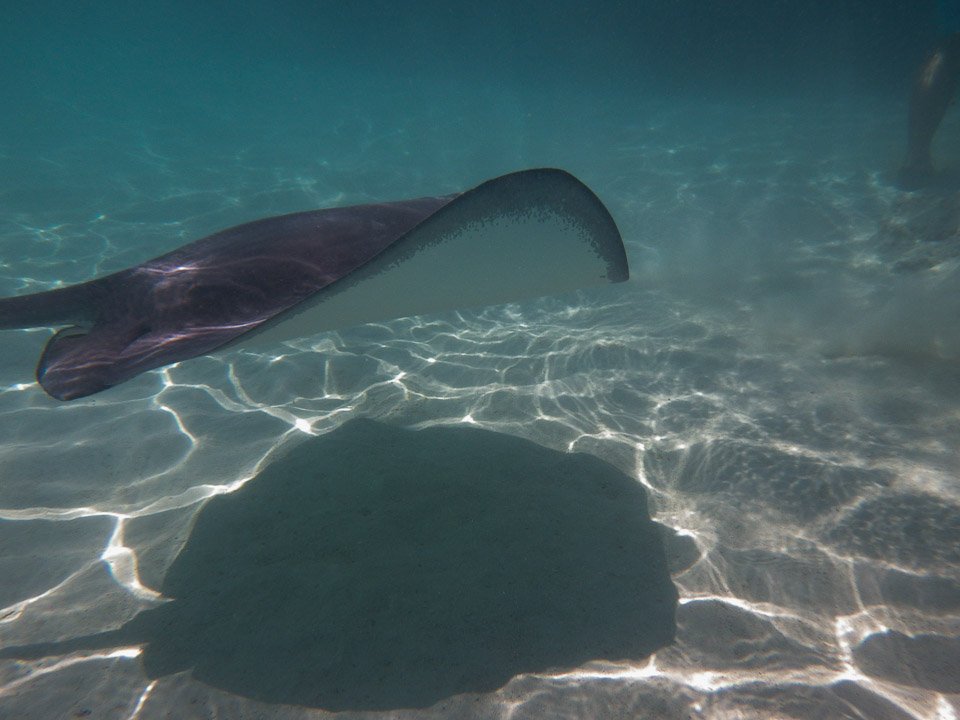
(716, 409)
(398, 381)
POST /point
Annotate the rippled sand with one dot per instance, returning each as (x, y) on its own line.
(780, 376)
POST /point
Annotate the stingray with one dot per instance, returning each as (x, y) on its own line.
(523, 235)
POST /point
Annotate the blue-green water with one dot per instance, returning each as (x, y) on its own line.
(780, 374)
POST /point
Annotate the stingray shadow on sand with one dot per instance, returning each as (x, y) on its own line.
(375, 568)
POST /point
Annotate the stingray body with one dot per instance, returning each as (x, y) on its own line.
(519, 236)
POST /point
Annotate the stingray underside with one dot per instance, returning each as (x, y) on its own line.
(519, 236)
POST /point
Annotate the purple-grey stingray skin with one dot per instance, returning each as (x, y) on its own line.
(206, 294)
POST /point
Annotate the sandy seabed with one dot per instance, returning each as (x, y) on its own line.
(779, 379)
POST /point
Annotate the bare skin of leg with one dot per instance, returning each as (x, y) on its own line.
(933, 92)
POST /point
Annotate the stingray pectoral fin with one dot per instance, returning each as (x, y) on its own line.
(57, 368)
(77, 361)
(519, 236)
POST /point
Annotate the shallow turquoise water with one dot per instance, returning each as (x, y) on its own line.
(779, 374)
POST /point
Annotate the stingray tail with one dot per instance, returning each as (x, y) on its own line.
(75, 305)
